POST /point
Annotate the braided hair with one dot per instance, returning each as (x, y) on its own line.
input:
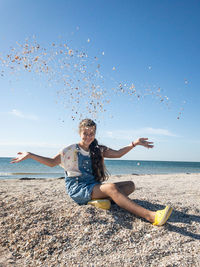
(98, 167)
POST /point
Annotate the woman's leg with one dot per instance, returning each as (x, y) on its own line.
(126, 187)
(120, 198)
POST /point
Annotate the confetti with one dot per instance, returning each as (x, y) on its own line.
(180, 113)
(75, 72)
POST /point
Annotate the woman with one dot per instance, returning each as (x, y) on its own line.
(85, 172)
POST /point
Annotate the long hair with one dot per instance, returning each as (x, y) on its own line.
(98, 168)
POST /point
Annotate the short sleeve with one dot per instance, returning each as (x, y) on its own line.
(62, 157)
(69, 160)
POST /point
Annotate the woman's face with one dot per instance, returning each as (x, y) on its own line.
(87, 135)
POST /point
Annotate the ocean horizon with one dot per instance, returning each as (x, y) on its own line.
(32, 169)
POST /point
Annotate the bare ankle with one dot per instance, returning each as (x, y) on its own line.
(151, 216)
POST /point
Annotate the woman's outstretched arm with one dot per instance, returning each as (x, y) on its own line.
(110, 153)
(51, 162)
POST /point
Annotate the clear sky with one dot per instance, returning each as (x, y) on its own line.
(151, 44)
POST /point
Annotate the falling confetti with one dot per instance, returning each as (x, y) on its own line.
(180, 113)
(76, 72)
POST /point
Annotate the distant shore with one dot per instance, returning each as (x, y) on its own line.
(42, 226)
(110, 177)
(33, 169)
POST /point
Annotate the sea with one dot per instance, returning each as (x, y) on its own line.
(32, 169)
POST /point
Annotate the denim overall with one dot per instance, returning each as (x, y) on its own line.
(79, 188)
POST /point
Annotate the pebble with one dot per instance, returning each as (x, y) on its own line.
(53, 231)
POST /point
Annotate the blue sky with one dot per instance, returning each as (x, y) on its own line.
(151, 44)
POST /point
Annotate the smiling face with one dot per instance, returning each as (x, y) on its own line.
(87, 135)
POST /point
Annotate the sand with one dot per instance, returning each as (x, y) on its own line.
(41, 226)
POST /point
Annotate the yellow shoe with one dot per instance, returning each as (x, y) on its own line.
(100, 203)
(162, 216)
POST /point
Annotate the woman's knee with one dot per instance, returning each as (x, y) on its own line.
(131, 186)
(111, 188)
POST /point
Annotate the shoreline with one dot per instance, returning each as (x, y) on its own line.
(110, 177)
(42, 226)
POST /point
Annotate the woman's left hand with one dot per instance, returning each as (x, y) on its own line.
(143, 142)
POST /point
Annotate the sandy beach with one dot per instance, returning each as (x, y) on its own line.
(42, 226)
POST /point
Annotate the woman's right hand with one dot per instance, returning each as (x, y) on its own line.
(21, 156)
